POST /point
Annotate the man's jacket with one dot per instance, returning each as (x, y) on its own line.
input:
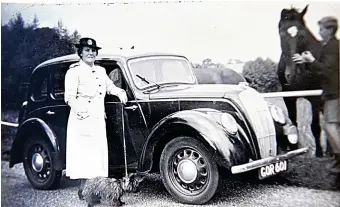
(328, 68)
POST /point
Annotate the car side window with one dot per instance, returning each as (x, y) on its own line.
(58, 80)
(115, 74)
(39, 84)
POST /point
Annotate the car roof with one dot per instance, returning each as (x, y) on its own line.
(121, 56)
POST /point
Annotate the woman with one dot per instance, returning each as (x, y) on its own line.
(85, 87)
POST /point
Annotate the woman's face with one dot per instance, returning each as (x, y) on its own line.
(88, 55)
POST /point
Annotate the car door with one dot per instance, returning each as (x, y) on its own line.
(127, 118)
(57, 111)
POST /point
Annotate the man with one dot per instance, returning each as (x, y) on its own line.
(328, 68)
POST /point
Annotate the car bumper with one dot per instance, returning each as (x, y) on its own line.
(266, 161)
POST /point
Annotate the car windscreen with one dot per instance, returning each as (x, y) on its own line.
(160, 70)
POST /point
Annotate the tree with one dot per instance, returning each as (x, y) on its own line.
(74, 38)
(35, 22)
(23, 47)
(207, 63)
(61, 30)
(263, 75)
(195, 65)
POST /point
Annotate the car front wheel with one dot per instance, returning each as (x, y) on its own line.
(188, 171)
(38, 165)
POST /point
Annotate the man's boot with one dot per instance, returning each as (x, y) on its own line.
(334, 170)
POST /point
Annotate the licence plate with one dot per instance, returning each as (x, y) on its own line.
(272, 169)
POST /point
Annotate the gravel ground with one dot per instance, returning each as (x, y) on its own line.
(17, 191)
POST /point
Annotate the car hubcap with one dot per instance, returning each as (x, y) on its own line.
(189, 171)
(40, 162)
(37, 162)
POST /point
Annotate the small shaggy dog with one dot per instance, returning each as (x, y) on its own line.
(110, 190)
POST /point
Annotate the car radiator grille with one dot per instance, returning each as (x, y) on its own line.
(261, 120)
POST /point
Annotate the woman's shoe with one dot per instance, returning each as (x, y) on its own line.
(80, 194)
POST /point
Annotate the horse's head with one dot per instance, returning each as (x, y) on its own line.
(294, 39)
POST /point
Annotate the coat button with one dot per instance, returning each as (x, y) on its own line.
(93, 71)
(89, 101)
(100, 93)
(100, 85)
(96, 77)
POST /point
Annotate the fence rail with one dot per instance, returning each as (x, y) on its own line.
(292, 94)
(9, 124)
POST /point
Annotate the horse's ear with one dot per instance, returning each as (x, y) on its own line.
(283, 14)
(304, 11)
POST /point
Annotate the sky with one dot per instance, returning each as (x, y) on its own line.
(218, 30)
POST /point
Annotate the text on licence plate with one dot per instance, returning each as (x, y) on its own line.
(273, 169)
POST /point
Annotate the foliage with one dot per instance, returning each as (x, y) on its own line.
(217, 76)
(207, 63)
(23, 47)
(263, 75)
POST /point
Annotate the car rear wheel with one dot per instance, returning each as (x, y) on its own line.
(188, 171)
(38, 164)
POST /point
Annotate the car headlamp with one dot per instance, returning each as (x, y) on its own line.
(292, 134)
(277, 114)
(229, 123)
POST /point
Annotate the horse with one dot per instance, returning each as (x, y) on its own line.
(295, 37)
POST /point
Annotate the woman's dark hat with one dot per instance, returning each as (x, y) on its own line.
(88, 42)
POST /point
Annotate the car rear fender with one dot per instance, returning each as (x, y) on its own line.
(227, 149)
(32, 127)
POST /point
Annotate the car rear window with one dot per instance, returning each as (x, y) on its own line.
(58, 80)
(39, 85)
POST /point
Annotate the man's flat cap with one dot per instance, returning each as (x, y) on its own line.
(328, 21)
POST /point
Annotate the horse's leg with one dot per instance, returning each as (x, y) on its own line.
(291, 107)
(316, 128)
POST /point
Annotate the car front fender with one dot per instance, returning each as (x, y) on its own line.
(228, 149)
(28, 129)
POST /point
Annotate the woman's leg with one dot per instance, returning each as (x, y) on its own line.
(81, 188)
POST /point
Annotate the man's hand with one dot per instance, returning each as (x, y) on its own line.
(123, 97)
(306, 57)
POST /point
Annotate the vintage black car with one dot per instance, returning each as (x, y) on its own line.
(174, 126)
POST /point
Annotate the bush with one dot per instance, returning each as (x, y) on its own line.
(263, 74)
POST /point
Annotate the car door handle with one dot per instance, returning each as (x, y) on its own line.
(50, 112)
(133, 107)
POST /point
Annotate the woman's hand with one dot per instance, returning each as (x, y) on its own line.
(81, 111)
(82, 115)
(123, 97)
